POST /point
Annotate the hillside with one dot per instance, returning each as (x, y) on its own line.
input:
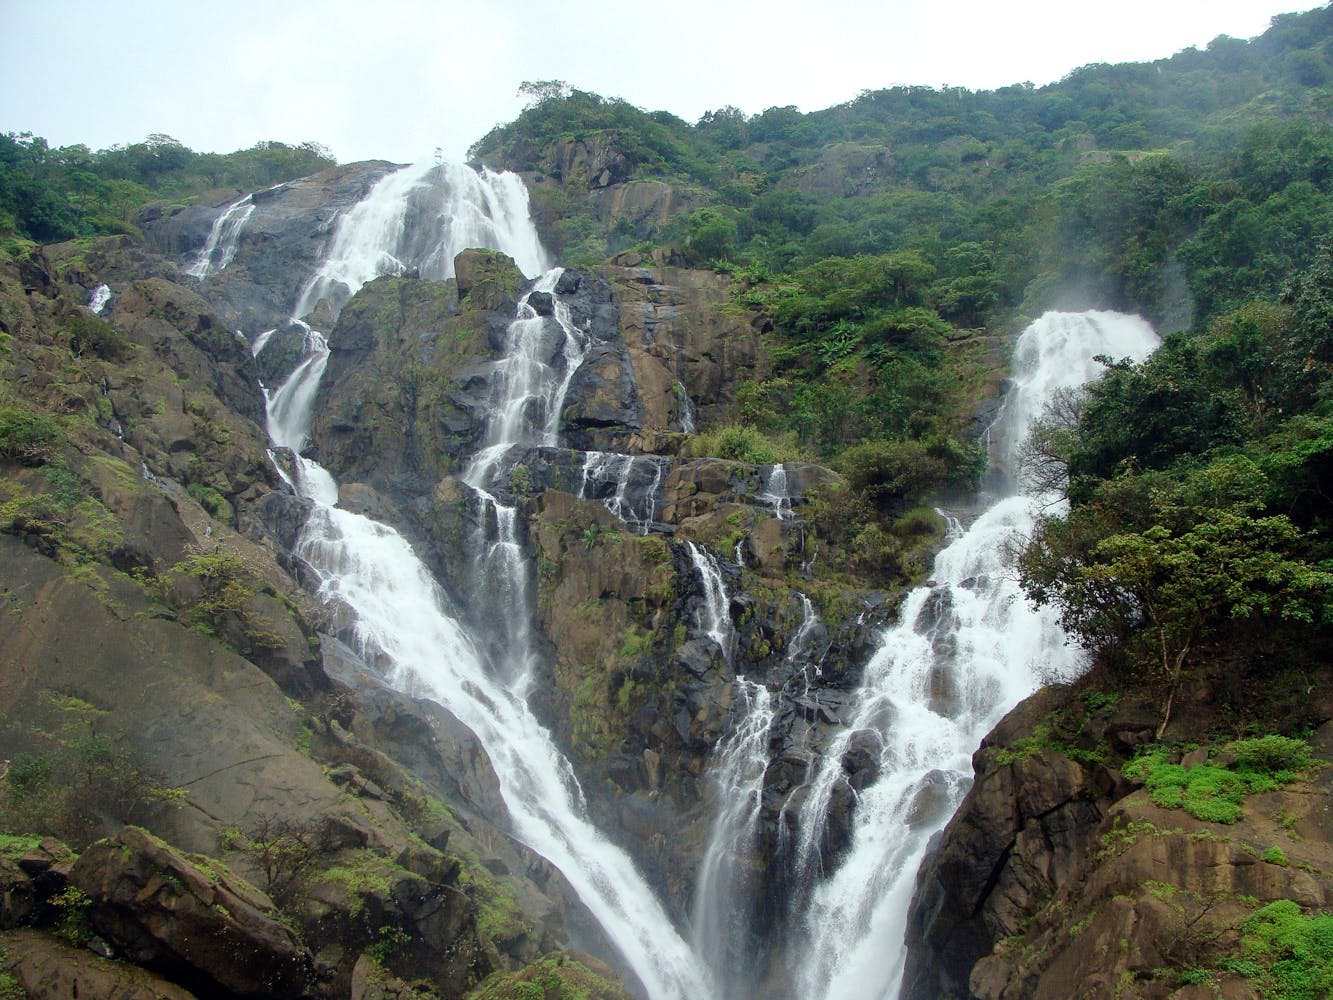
(390, 614)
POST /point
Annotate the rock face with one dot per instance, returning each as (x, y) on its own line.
(189, 919)
(47, 967)
(200, 681)
(280, 245)
(1057, 871)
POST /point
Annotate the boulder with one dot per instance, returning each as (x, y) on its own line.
(189, 918)
(47, 968)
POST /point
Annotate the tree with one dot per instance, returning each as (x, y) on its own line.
(1229, 574)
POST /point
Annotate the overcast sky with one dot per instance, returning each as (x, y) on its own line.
(394, 79)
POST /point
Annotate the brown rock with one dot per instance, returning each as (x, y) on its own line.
(47, 968)
(189, 918)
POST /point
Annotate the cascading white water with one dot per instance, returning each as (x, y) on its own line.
(736, 780)
(289, 407)
(637, 480)
(777, 494)
(260, 342)
(967, 649)
(715, 615)
(687, 419)
(99, 297)
(401, 619)
(421, 217)
(799, 647)
(530, 384)
(220, 248)
(401, 616)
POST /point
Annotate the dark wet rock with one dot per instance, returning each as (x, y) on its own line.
(189, 919)
(280, 247)
(542, 303)
(45, 967)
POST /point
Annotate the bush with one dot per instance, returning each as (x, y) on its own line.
(1215, 794)
(1290, 954)
(27, 437)
(96, 336)
(1270, 754)
(736, 443)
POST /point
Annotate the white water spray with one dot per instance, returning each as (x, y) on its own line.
(635, 482)
(530, 383)
(220, 248)
(99, 297)
(715, 615)
(967, 649)
(722, 929)
(402, 620)
(420, 217)
(777, 494)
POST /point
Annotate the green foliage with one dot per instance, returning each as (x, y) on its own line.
(1275, 856)
(1288, 953)
(388, 942)
(72, 924)
(77, 782)
(736, 443)
(92, 335)
(49, 194)
(499, 918)
(14, 847)
(212, 501)
(226, 585)
(1216, 794)
(26, 437)
(552, 977)
(1271, 754)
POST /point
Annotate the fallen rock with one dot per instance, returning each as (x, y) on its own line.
(47, 968)
(189, 919)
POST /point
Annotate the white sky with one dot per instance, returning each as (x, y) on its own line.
(394, 79)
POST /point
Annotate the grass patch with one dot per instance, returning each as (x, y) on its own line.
(1214, 793)
(1289, 954)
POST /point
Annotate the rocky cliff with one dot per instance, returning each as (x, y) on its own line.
(164, 668)
(1069, 871)
(243, 805)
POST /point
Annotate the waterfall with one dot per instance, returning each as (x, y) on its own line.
(420, 217)
(99, 297)
(402, 620)
(799, 647)
(722, 932)
(777, 494)
(633, 482)
(530, 382)
(968, 647)
(687, 418)
(715, 615)
(260, 342)
(220, 248)
(528, 394)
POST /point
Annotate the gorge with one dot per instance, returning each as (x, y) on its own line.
(555, 577)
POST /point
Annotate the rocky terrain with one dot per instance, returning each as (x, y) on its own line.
(213, 789)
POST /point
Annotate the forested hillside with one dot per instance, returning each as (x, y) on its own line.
(780, 341)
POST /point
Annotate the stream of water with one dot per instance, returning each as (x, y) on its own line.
(966, 649)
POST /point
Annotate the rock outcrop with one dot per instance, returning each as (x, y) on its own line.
(1057, 874)
(189, 919)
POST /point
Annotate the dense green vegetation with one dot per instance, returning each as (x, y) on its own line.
(49, 194)
(1199, 480)
(878, 232)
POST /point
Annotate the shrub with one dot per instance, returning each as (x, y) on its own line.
(1270, 754)
(27, 437)
(1215, 794)
(88, 333)
(1288, 952)
(736, 443)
